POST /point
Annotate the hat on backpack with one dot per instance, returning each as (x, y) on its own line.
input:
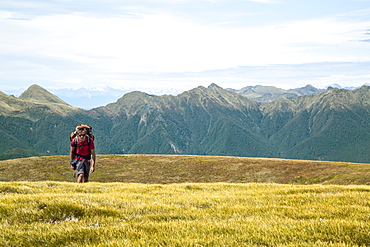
(83, 127)
(79, 129)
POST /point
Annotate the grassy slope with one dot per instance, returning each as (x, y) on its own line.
(211, 214)
(163, 169)
(194, 210)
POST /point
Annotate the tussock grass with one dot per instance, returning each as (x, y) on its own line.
(164, 169)
(183, 214)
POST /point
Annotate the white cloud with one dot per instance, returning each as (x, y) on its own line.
(76, 48)
(158, 43)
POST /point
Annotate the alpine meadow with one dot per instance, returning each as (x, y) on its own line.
(208, 167)
(212, 214)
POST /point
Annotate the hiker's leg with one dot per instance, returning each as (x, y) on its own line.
(81, 178)
(86, 171)
(80, 171)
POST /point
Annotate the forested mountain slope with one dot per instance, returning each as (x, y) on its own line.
(331, 125)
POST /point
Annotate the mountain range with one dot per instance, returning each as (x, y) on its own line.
(270, 93)
(88, 98)
(331, 124)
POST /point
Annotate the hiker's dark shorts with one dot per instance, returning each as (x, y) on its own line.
(83, 167)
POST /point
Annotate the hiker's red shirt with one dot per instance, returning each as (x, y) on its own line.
(83, 148)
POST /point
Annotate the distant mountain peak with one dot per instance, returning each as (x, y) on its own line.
(335, 85)
(308, 86)
(37, 94)
(214, 85)
(270, 93)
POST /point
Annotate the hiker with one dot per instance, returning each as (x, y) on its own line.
(82, 154)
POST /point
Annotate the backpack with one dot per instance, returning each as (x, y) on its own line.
(74, 136)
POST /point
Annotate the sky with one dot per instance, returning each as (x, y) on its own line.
(150, 45)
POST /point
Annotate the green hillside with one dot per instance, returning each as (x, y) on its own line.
(164, 169)
(331, 125)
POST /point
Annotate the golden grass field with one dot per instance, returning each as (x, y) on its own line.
(185, 201)
(189, 214)
(164, 169)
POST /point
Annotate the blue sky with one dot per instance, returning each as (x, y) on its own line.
(150, 45)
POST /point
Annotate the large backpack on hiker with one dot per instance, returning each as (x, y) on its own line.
(74, 137)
